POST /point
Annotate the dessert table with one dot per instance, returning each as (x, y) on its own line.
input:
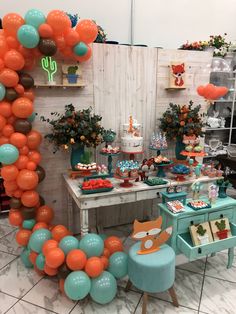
(138, 192)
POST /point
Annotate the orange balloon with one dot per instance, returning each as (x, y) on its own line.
(26, 52)
(3, 46)
(61, 285)
(5, 109)
(71, 37)
(23, 236)
(45, 30)
(11, 186)
(14, 60)
(3, 140)
(106, 252)
(32, 257)
(113, 244)
(8, 193)
(19, 89)
(34, 139)
(9, 173)
(15, 217)
(48, 245)
(3, 122)
(11, 120)
(94, 267)
(67, 51)
(24, 150)
(27, 179)
(55, 257)
(1, 64)
(36, 52)
(30, 198)
(59, 232)
(29, 94)
(31, 165)
(84, 58)
(22, 107)
(12, 42)
(60, 41)
(35, 156)
(40, 225)
(11, 23)
(21, 162)
(8, 130)
(9, 77)
(59, 21)
(45, 214)
(29, 63)
(105, 261)
(76, 259)
(87, 30)
(50, 271)
(18, 139)
(17, 193)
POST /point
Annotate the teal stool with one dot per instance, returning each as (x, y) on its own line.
(166, 197)
(152, 273)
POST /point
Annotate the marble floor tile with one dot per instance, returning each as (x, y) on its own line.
(161, 307)
(4, 230)
(218, 296)
(217, 267)
(17, 280)
(8, 244)
(197, 266)
(46, 294)
(5, 258)
(4, 220)
(6, 302)
(124, 303)
(187, 286)
(22, 307)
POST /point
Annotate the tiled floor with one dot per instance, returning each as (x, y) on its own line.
(203, 286)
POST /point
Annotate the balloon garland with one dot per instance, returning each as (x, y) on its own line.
(86, 266)
(211, 92)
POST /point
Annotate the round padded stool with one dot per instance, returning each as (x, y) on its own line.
(152, 273)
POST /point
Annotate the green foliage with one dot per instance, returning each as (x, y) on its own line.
(72, 69)
(200, 230)
(180, 120)
(74, 127)
(220, 225)
(102, 36)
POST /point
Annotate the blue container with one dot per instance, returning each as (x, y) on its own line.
(72, 78)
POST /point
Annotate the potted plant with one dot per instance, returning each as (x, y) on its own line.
(222, 233)
(71, 74)
(102, 36)
(202, 235)
(75, 129)
(223, 185)
(178, 121)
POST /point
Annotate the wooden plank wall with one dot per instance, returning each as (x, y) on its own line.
(120, 80)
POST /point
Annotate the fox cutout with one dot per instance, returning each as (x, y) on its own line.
(150, 235)
(177, 71)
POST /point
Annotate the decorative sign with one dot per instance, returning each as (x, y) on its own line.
(50, 66)
(71, 74)
(177, 75)
(201, 234)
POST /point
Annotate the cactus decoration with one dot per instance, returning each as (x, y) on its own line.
(220, 225)
(201, 231)
(50, 66)
(72, 69)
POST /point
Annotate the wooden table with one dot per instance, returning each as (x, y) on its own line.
(138, 192)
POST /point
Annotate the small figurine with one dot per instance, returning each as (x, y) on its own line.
(191, 161)
(146, 168)
(198, 170)
(196, 188)
(212, 193)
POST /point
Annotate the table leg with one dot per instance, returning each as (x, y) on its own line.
(145, 300)
(69, 212)
(230, 257)
(84, 221)
(128, 286)
(173, 296)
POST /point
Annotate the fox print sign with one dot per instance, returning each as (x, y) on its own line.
(177, 75)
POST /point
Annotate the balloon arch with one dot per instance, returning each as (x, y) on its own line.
(82, 266)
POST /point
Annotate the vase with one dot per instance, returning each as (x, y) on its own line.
(79, 155)
(222, 192)
(179, 147)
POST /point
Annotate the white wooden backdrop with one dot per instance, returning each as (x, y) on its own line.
(120, 80)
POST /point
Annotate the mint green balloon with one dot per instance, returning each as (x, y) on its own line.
(38, 238)
(92, 245)
(40, 261)
(35, 18)
(8, 154)
(29, 224)
(80, 49)
(103, 288)
(25, 258)
(103, 236)
(28, 36)
(77, 285)
(32, 117)
(118, 264)
(2, 91)
(68, 243)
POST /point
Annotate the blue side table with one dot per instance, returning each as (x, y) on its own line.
(166, 197)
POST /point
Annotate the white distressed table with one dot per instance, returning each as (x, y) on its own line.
(138, 192)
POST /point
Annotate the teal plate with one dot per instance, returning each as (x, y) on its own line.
(102, 190)
(153, 184)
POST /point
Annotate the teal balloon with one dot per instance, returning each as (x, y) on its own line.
(77, 285)
(25, 258)
(118, 264)
(103, 236)
(28, 36)
(40, 261)
(2, 91)
(32, 117)
(103, 288)
(92, 245)
(68, 243)
(29, 224)
(8, 154)
(38, 238)
(80, 49)
(35, 18)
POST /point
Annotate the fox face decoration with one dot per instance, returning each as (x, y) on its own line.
(177, 74)
(150, 235)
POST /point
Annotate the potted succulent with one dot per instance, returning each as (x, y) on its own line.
(222, 233)
(71, 74)
(202, 235)
(223, 185)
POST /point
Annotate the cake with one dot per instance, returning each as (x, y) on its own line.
(110, 150)
(132, 141)
(127, 169)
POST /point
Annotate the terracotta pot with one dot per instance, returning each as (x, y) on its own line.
(223, 234)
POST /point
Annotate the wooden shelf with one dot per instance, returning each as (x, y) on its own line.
(77, 85)
(174, 89)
